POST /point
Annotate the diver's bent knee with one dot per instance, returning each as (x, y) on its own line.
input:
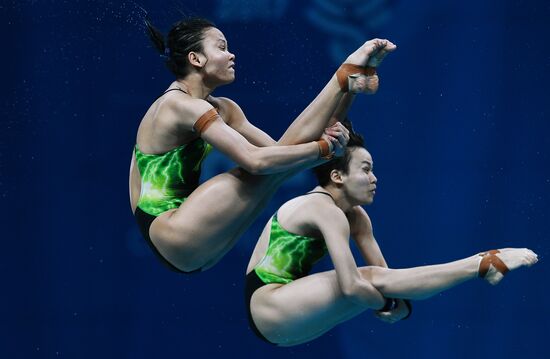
(370, 272)
(375, 275)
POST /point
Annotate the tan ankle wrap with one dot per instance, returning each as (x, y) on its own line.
(346, 70)
(488, 259)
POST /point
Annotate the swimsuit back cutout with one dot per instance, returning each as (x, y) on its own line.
(167, 179)
(289, 256)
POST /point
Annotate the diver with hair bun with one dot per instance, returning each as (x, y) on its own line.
(191, 226)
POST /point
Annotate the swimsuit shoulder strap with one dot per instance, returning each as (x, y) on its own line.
(176, 89)
(326, 193)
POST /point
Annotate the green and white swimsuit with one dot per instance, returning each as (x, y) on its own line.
(289, 256)
(167, 179)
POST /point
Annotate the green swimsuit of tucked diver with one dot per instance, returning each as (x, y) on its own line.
(289, 256)
(167, 179)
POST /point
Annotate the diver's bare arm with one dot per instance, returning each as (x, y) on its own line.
(362, 234)
(237, 120)
(332, 224)
(270, 159)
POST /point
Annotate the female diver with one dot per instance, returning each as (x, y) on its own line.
(287, 306)
(190, 227)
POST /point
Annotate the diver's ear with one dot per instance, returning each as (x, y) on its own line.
(336, 176)
(196, 59)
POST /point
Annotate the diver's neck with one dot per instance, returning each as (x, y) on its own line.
(195, 86)
(338, 197)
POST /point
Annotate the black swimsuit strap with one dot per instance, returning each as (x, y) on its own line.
(328, 194)
(185, 92)
(176, 89)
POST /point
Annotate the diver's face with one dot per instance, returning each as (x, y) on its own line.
(220, 63)
(359, 184)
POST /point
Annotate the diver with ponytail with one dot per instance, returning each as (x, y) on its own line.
(191, 226)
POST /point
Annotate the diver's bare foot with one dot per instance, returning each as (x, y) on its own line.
(376, 58)
(361, 56)
(494, 264)
(363, 84)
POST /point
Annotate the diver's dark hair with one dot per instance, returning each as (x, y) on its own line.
(185, 36)
(322, 172)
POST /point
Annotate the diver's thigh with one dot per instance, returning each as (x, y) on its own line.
(302, 309)
(211, 218)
